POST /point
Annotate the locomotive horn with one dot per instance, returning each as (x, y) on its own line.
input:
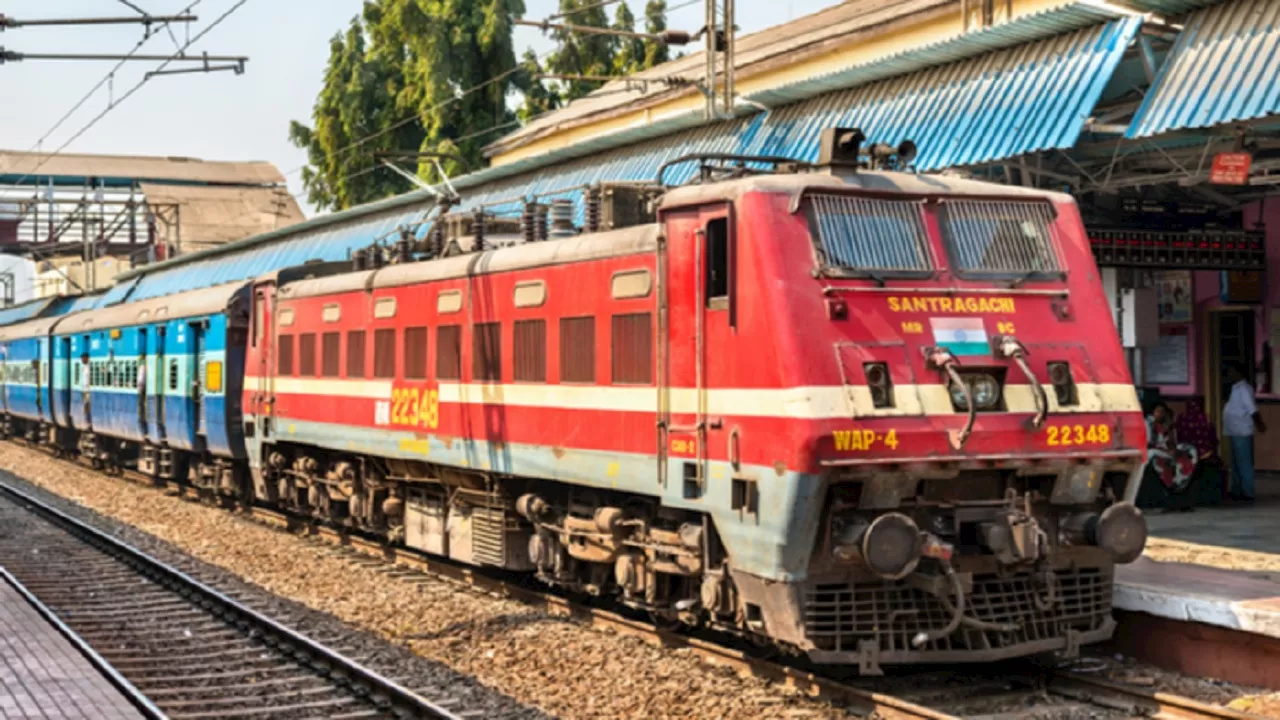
(889, 545)
(907, 152)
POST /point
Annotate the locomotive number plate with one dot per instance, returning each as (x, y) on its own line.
(864, 440)
(411, 407)
(1078, 435)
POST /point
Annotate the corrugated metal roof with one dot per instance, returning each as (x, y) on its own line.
(320, 242)
(213, 215)
(24, 312)
(174, 169)
(1024, 29)
(1225, 67)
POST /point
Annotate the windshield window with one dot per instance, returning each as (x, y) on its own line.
(1000, 238)
(857, 235)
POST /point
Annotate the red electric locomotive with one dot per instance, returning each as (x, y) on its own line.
(873, 417)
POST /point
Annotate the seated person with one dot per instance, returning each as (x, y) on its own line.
(1168, 480)
(1194, 428)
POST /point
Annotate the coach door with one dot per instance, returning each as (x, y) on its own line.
(63, 367)
(197, 375)
(696, 286)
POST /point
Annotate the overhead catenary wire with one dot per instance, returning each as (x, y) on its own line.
(105, 79)
(220, 19)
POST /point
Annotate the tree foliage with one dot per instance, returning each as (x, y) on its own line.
(655, 22)
(422, 75)
(582, 53)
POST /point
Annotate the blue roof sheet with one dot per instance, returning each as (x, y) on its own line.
(1224, 67)
(24, 312)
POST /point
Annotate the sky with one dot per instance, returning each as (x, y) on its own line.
(218, 116)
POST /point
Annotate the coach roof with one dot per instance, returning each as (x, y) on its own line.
(197, 303)
(32, 328)
(583, 248)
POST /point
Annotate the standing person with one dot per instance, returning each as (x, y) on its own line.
(1240, 420)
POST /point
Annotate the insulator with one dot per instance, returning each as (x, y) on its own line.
(528, 221)
(541, 227)
(562, 219)
(359, 259)
(593, 209)
(478, 228)
(437, 238)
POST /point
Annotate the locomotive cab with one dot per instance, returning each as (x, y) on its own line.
(906, 398)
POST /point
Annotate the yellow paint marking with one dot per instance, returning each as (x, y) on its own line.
(421, 447)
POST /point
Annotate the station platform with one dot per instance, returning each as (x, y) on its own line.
(1205, 598)
(42, 675)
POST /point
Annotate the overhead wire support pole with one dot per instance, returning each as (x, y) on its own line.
(7, 22)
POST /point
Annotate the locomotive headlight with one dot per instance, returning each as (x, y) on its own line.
(984, 388)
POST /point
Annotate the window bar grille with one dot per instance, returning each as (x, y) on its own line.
(867, 233)
(1002, 237)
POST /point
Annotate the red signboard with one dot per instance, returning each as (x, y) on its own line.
(1231, 168)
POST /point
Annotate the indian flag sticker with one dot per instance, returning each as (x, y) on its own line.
(962, 336)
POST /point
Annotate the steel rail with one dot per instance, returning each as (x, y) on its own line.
(1061, 682)
(399, 697)
(99, 663)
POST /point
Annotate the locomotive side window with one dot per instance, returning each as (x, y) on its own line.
(1000, 238)
(307, 355)
(717, 251)
(632, 349)
(531, 351)
(285, 360)
(486, 352)
(384, 353)
(355, 354)
(259, 316)
(330, 350)
(449, 352)
(861, 237)
(415, 353)
(578, 350)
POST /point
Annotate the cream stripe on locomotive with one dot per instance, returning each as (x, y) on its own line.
(803, 403)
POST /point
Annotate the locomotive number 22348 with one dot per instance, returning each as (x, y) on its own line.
(411, 407)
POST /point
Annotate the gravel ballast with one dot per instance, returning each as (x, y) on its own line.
(533, 663)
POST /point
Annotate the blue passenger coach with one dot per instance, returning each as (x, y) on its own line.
(164, 376)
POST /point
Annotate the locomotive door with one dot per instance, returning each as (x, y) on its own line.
(697, 288)
(261, 364)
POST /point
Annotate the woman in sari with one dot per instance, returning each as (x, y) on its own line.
(1168, 479)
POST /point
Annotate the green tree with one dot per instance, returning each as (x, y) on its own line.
(582, 53)
(356, 101)
(630, 56)
(539, 97)
(411, 75)
(655, 21)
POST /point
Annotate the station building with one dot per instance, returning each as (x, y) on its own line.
(70, 223)
(1159, 116)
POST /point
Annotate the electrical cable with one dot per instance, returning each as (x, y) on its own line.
(239, 4)
(105, 79)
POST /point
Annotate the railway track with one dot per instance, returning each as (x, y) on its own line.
(179, 648)
(1001, 692)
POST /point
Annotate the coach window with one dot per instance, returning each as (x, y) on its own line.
(530, 345)
(718, 264)
(632, 349)
(355, 354)
(330, 349)
(486, 352)
(415, 353)
(449, 352)
(284, 368)
(307, 355)
(384, 353)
